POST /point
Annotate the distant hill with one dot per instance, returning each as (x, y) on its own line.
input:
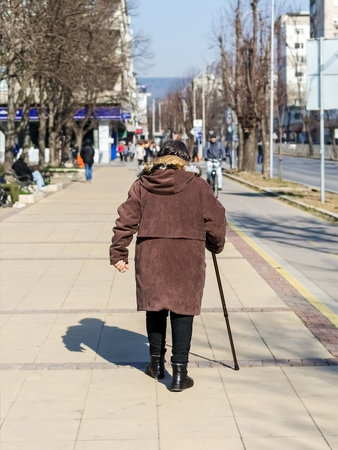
(159, 87)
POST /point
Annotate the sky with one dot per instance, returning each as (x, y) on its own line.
(180, 33)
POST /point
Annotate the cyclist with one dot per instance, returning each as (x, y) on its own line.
(214, 150)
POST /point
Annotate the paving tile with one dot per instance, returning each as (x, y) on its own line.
(256, 383)
(37, 445)
(333, 441)
(321, 381)
(32, 429)
(47, 410)
(281, 443)
(10, 383)
(119, 444)
(324, 412)
(210, 443)
(104, 379)
(120, 428)
(282, 425)
(208, 407)
(200, 427)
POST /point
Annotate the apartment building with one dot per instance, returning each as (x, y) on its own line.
(293, 33)
(324, 18)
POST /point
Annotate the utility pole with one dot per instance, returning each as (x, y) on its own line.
(153, 127)
(272, 83)
(194, 99)
(203, 109)
(159, 118)
(321, 114)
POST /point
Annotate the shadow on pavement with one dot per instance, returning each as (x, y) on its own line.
(115, 345)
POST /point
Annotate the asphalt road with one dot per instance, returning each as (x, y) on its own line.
(306, 246)
(306, 171)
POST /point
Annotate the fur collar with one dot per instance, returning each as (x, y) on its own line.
(168, 162)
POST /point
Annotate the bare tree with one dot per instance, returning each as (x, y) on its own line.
(245, 79)
(19, 75)
(61, 56)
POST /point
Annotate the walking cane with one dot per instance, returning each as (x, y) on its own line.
(225, 311)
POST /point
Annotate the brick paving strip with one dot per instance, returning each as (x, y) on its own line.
(141, 365)
(319, 325)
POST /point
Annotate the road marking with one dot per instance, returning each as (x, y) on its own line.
(323, 309)
(315, 244)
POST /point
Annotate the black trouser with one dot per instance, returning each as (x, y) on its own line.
(181, 328)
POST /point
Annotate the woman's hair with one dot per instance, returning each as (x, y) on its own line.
(174, 147)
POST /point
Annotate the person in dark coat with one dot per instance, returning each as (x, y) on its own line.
(87, 155)
(175, 215)
(22, 170)
(214, 150)
(25, 173)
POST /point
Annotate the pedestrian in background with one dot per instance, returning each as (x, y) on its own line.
(140, 152)
(125, 152)
(176, 216)
(87, 154)
(260, 152)
(120, 149)
(147, 150)
(214, 150)
(131, 150)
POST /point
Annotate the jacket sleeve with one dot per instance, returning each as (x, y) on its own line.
(214, 221)
(126, 225)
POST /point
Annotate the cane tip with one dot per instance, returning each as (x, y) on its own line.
(236, 367)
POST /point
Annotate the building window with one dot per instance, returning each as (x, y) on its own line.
(299, 45)
(299, 74)
(299, 30)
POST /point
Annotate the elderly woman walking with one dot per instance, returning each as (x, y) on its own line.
(176, 216)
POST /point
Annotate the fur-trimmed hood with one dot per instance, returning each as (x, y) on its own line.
(167, 175)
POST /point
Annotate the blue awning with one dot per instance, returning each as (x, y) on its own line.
(109, 113)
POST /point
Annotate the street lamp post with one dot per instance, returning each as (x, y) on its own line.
(203, 111)
(159, 118)
(272, 83)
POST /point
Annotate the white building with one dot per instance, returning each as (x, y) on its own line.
(324, 18)
(294, 33)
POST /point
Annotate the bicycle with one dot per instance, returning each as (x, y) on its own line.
(215, 163)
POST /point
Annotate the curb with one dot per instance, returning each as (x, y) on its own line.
(268, 191)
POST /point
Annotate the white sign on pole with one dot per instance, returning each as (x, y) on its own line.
(329, 74)
(198, 123)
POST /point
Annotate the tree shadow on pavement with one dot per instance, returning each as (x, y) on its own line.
(113, 344)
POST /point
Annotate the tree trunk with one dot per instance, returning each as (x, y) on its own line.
(266, 150)
(52, 135)
(306, 122)
(67, 142)
(250, 146)
(334, 145)
(11, 112)
(240, 146)
(42, 135)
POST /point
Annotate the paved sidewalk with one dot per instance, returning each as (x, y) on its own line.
(73, 349)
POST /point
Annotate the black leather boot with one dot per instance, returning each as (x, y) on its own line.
(180, 380)
(155, 368)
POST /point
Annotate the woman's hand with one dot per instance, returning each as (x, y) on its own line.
(121, 266)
